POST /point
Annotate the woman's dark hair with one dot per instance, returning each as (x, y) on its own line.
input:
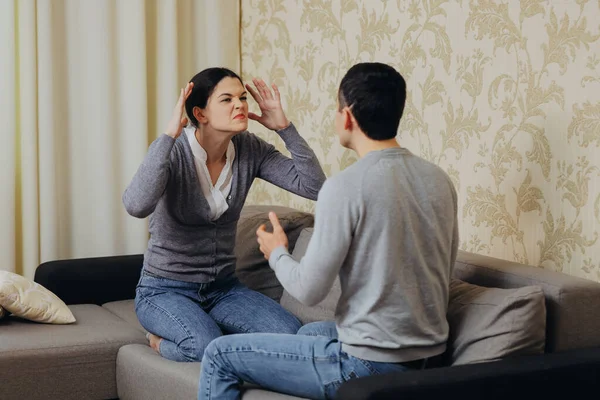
(204, 84)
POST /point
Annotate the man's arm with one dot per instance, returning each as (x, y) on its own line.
(310, 280)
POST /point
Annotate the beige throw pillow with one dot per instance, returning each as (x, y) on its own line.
(2, 313)
(29, 300)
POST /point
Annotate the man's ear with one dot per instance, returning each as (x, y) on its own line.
(199, 114)
(347, 119)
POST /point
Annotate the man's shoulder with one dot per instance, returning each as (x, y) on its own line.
(339, 186)
(431, 172)
(347, 178)
(427, 167)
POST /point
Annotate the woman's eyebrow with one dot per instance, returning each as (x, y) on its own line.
(230, 95)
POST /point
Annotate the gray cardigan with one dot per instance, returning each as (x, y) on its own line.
(184, 243)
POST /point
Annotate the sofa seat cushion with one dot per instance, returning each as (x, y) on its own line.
(125, 309)
(144, 374)
(76, 361)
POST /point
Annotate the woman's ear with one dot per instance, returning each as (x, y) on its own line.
(199, 114)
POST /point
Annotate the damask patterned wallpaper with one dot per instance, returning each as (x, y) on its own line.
(504, 95)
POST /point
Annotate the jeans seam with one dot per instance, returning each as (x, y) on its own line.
(327, 387)
(209, 378)
(173, 317)
(224, 362)
(233, 326)
(274, 354)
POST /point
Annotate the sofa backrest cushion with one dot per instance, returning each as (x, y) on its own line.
(325, 310)
(489, 324)
(572, 303)
(252, 269)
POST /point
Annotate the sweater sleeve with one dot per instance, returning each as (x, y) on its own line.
(302, 174)
(310, 279)
(150, 180)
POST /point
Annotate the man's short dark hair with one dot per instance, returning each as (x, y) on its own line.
(376, 94)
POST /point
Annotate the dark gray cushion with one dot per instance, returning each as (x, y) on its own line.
(325, 310)
(487, 324)
(572, 303)
(252, 268)
(76, 361)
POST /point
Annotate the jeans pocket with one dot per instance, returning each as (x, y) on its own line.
(331, 389)
(354, 367)
(348, 371)
(149, 287)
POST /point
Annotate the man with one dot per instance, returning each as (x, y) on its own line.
(387, 226)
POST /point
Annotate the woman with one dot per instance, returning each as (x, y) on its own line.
(193, 184)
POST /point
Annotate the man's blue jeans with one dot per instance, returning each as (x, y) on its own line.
(310, 364)
(189, 315)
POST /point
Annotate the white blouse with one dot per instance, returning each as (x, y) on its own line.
(216, 195)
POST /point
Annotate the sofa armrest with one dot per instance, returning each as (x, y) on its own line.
(91, 280)
(539, 376)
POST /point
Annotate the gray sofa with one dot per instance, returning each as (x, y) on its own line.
(105, 355)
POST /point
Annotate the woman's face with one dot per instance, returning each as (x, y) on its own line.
(227, 107)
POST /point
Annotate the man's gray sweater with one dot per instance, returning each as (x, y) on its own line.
(387, 226)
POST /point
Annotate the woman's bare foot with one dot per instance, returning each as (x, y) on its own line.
(154, 342)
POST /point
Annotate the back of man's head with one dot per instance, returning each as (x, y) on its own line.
(375, 93)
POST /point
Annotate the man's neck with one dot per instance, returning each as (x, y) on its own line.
(214, 143)
(365, 146)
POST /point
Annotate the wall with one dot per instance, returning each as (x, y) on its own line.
(503, 95)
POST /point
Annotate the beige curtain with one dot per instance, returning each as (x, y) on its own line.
(85, 86)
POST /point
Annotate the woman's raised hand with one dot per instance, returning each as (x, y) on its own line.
(178, 121)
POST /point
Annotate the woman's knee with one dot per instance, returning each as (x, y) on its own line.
(290, 324)
(190, 350)
(193, 347)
